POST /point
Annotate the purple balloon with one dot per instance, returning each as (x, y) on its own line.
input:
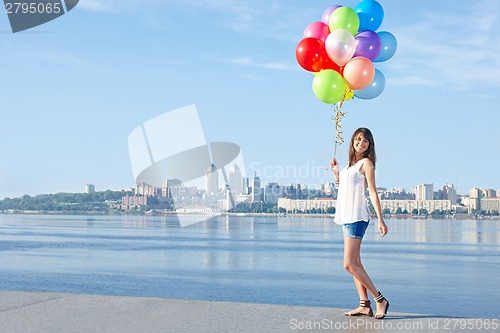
(368, 44)
(326, 15)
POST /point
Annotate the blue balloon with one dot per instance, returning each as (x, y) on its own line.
(374, 89)
(371, 15)
(388, 46)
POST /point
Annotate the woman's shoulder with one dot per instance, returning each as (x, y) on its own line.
(367, 162)
(364, 162)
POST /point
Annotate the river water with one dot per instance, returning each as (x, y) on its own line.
(438, 267)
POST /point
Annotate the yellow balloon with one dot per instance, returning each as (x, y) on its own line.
(348, 95)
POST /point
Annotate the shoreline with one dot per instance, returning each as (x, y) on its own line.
(293, 215)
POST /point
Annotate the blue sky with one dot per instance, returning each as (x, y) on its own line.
(73, 89)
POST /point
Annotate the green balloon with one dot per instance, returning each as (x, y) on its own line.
(328, 86)
(344, 18)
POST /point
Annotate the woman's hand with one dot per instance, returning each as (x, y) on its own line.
(382, 227)
(334, 166)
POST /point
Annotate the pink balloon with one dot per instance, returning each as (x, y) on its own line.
(318, 30)
(325, 18)
(359, 73)
(340, 46)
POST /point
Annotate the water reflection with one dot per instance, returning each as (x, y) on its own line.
(280, 260)
(443, 231)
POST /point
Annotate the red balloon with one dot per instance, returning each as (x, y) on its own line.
(328, 63)
(312, 56)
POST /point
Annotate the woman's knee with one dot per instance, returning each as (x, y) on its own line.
(349, 266)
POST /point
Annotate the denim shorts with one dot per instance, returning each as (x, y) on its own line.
(355, 230)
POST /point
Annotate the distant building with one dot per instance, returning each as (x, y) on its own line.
(296, 191)
(212, 180)
(397, 193)
(488, 193)
(410, 205)
(327, 188)
(245, 187)
(272, 192)
(171, 186)
(450, 193)
(235, 181)
(256, 190)
(482, 200)
(474, 200)
(89, 188)
(130, 201)
(144, 189)
(424, 192)
(300, 206)
(490, 205)
(173, 182)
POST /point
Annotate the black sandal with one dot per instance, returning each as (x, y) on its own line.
(379, 299)
(363, 304)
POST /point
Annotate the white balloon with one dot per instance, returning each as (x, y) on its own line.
(340, 46)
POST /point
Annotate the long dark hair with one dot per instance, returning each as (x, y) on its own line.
(370, 152)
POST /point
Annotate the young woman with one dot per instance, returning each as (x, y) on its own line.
(352, 213)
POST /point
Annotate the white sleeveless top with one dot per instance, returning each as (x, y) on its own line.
(351, 202)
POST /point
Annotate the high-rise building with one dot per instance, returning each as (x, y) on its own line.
(450, 193)
(272, 192)
(256, 190)
(424, 192)
(475, 192)
(245, 188)
(171, 184)
(89, 188)
(235, 180)
(144, 189)
(474, 201)
(212, 180)
(489, 193)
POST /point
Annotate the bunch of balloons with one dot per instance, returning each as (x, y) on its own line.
(340, 50)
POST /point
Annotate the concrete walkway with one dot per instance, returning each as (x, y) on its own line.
(57, 312)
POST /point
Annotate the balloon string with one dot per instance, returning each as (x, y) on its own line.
(338, 121)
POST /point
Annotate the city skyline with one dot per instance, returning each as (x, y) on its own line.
(74, 91)
(236, 183)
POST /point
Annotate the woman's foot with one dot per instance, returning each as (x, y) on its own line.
(364, 309)
(382, 306)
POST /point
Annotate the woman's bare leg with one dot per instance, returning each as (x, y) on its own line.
(352, 264)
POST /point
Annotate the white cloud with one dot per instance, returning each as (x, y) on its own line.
(252, 77)
(62, 57)
(455, 50)
(248, 61)
(95, 5)
(270, 19)
(112, 6)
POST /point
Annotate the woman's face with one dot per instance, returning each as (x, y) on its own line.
(361, 144)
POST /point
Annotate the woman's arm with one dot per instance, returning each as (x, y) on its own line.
(369, 171)
(334, 166)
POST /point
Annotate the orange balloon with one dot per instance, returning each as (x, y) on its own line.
(359, 73)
